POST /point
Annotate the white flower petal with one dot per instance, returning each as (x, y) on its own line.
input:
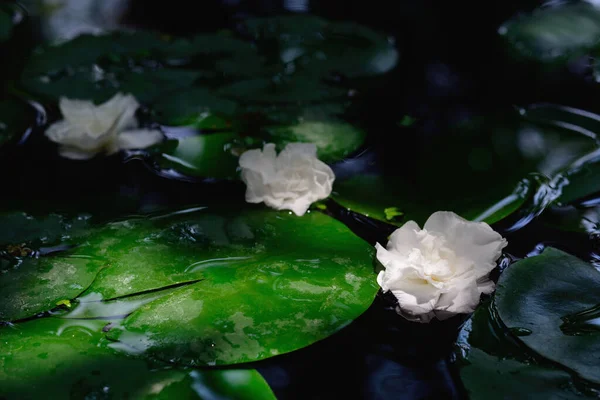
(120, 108)
(404, 239)
(139, 139)
(75, 153)
(441, 270)
(92, 129)
(77, 112)
(58, 131)
(410, 308)
(476, 241)
(260, 161)
(292, 180)
(67, 134)
(462, 299)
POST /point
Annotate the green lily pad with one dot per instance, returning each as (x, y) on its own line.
(574, 175)
(214, 45)
(494, 367)
(490, 377)
(88, 50)
(213, 155)
(242, 384)
(196, 107)
(290, 90)
(58, 359)
(317, 46)
(97, 67)
(554, 32)
(221, 53)
(31, 283)
(18, 228)
(334, 139)
(503, 149)
(389, 199)
(270, 283)
(580, 179)
(549, 295)
(92, 82)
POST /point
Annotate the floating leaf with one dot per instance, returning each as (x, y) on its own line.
(551, 32)
(580, 179)
(544, 294)
(379, 197)
(213, 155)
(281, 90)
(18, 228)
(317, 46)
(29, 286)
(490, 377)
(334, 139)
(58, 359)
(494, 367)
(92, 82)
(31, 283)
(260, 294)
(196, 107)
(96, 67)
(503, 149)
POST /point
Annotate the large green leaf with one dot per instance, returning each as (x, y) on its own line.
(556, 31)
(96, 67)
(215, 155)
(270, 283)
(292, 90)
(58, 359)
(32, 285)
(321, 47)
(335, 139)
(574, 174)
(492, 378)
(194, 107)
(503, 149)
(212, 155)
(32, 282)
(580, 179)
(18, 228)
(554, 296)
(92, 82)
(393, 200)
(494, 367)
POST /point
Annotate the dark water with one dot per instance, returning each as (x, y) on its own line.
(452, 68)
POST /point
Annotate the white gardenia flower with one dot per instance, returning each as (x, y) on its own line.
(442, 269)
(292, 180)
(87, 129)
